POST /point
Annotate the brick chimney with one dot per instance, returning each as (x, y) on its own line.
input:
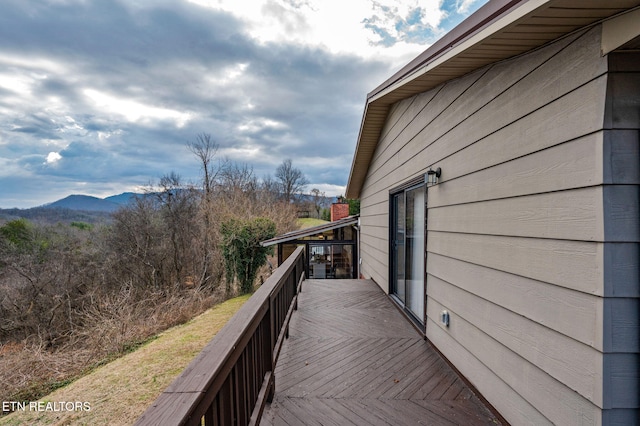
(339, 211)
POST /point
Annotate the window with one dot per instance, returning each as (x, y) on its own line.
(331, 261)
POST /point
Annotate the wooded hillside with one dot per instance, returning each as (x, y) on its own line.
(74, 295)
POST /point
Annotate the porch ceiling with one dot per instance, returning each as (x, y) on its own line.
(499, 30)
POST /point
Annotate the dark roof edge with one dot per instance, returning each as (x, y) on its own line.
(474, 23)
(293, 235)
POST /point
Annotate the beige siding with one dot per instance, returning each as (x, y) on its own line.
(519, 228)
(570, 313)
(576, 265)
(538, 343)
(565, 166)
(545, 393)
(566, 215)
(512, 407)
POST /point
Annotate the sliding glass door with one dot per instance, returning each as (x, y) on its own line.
(414, 251)
(408, 249)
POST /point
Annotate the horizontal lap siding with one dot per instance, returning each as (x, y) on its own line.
(566, 215)
(575, 265)
(513, 406)
(374, 247)
(518, 237)
(545, 394)
(566, 166)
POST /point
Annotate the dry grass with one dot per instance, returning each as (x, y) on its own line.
(119, 392)
(113, 325)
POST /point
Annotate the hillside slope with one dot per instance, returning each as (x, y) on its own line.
(119, 392)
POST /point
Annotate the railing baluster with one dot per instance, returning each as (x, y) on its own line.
(252, 371)
(209, 415)
(231, 379)
(241, 389)
(226, 403)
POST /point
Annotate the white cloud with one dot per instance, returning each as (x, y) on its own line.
(18, 84)
(22, 76)
(135, 111)
(67, 124)
(227, 76)
(41, 63)
(328, 189)
(103, 136)
(257, 125)
(242, 153)
(462, 6)
(53, 158)
(337, 25)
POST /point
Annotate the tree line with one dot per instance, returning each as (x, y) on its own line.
(96, 289)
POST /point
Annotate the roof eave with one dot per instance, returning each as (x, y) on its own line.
(380, 99)
(451, 57)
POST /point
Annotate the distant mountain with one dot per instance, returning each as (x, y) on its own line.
(79, 208)
(84, 202)
(124, 198)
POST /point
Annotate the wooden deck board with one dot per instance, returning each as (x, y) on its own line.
(352, 359)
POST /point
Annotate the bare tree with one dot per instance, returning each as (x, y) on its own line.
(178, 206)
(236, 178)
(135, 243)
(270, 187)
(205, 150)
(292, 180)
(319, 200)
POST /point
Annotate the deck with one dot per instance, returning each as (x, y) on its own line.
(352, 359)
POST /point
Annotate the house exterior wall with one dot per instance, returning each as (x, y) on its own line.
(532, 234)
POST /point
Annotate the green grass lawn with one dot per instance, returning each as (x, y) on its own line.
(308, 222)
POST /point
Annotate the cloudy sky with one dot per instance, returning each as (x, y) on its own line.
(100, 97)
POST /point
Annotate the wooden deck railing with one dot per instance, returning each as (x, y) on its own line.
(230, 381)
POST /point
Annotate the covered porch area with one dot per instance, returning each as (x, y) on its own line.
(331, 249)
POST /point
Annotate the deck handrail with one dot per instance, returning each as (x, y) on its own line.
(230, 381)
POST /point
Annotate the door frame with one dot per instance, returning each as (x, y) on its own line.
(412, 184)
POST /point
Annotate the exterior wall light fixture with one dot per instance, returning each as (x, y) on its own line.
(444, 318)
(433, 176)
